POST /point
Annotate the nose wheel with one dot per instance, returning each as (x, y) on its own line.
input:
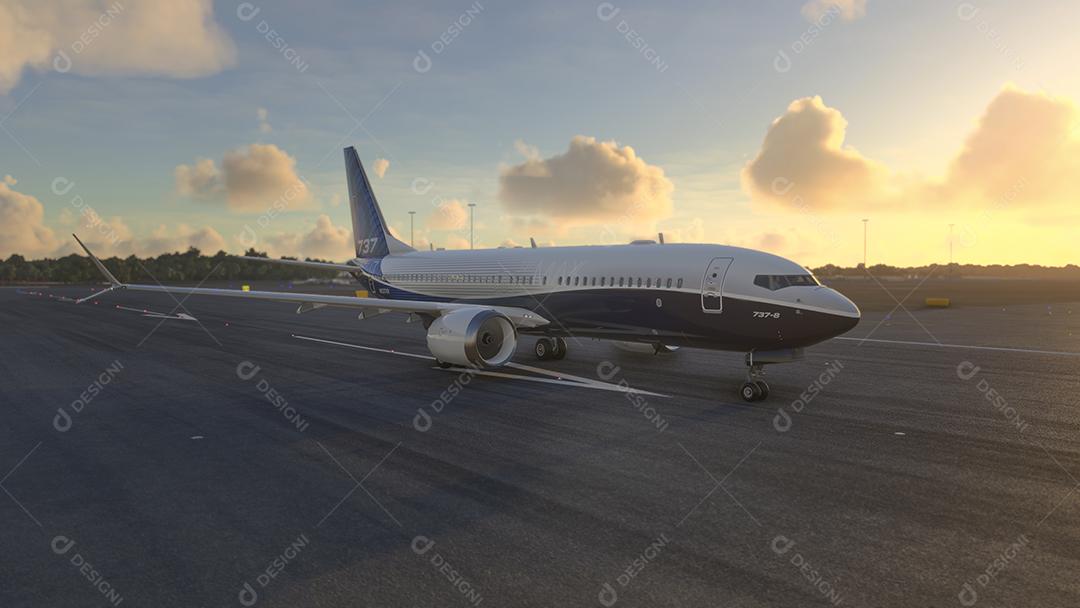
(755, 388)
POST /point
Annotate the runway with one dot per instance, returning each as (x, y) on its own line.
(236, 453)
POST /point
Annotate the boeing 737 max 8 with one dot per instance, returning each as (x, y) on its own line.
(475, 305)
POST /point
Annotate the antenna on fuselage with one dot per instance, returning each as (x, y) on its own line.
(532, 242)
(432, 245)
(661, 235)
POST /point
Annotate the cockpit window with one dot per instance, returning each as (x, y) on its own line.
(773, 282)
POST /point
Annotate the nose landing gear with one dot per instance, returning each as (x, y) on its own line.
(755, 388)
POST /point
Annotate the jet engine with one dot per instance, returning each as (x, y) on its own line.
(473, 337)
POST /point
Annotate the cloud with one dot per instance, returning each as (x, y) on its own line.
(251, 179)
(381, 165)
(591, 183)
(264, 124)
(849, 10)
(163, 240)
(804, 156)
(449, 215)
(178, 39)
(324, 241)
(22, 225)
(1024, 151)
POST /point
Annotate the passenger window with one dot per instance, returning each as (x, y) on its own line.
(560, 280)
(648, 282)
(668, 283)
(545, 279)
(621, 279)
(680, 282)
(576, 279)
(639, 281)
(602, 281)
(594, 282)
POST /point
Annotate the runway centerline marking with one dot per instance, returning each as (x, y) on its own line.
(969, 346)
(556, 378)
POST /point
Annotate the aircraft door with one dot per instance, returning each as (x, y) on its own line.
(712, 285)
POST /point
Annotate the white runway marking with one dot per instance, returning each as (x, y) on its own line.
(998, 348)
(556, 378)
(180, 316)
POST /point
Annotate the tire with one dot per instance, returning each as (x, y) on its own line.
(443, 364)
(764, 388)
(544, 348)
(750, 392)
(560, 349)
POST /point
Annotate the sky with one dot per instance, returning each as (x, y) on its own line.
(774, 124)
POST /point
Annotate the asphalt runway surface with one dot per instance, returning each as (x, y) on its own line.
(207, 456)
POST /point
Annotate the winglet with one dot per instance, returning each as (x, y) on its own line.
(105, 271)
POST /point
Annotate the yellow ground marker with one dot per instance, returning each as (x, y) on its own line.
(245, 287)
(937, 302)
(360, 293)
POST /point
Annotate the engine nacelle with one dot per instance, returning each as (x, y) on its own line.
(473, 337)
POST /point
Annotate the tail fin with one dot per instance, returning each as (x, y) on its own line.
(370, 233)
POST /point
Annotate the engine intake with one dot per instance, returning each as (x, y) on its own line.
(474, 337)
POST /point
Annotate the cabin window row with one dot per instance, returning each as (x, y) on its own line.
(648, 282)
(466, 278)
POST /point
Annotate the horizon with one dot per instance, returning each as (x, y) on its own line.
(777, 126)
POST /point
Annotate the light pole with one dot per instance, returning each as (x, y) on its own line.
(472, 209)
(950, 244)
(412, 233)
(865, 230)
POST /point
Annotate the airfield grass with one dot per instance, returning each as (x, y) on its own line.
(871, 295)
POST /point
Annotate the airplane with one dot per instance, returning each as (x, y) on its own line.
(476, 304)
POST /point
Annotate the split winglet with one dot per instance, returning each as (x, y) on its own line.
(113, 281)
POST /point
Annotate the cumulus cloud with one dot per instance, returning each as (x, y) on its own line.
(1023, 152)
(178, 39)
(251, 179)
(381, 165)
(449, 215)
(848, 10)
(593, 182)
(324, 241)
(804, 155)
(22, 223)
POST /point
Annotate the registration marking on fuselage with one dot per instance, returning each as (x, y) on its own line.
(554, 377)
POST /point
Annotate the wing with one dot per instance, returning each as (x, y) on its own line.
(520, 317)
(303, 263)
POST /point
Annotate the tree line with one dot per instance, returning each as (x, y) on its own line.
(191, 265)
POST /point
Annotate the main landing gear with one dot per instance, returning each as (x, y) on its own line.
(550, 348)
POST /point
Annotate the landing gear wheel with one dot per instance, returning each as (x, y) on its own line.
(544, 349)
(560, 349)
(443, 364)
(750, 392)
(764, 388)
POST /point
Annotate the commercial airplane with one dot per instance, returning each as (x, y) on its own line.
(475, 305)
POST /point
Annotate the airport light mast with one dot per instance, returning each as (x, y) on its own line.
(865, 227)
(472, 208)
(412, 232)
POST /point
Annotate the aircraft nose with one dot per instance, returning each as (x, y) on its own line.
(846, 313)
